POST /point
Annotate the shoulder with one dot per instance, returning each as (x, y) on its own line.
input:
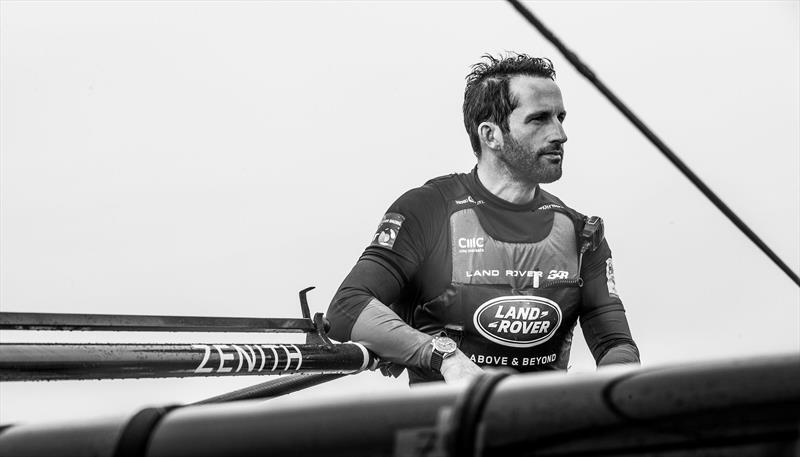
(550, 201)
(415, 220)
(430, 197)
(449, 186)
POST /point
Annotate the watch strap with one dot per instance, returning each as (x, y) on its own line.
(436, 360)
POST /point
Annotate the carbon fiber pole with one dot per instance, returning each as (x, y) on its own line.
(273, 388)
(746, 407)
(146, 323)
(584, 70)
(53, 361)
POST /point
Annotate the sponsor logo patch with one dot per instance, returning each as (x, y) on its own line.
(549, 206)
(474, 244)
(388, 230)
(612, 286)
(558, 274)
(518, 321)
(469, 199)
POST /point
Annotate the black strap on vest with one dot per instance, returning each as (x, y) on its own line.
(462, 437)
(592, 234)
(137, 432)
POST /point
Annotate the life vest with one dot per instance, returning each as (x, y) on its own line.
(508, 304)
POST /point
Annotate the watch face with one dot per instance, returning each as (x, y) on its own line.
(444, 344)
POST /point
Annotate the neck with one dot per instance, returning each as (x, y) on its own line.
(500, 182)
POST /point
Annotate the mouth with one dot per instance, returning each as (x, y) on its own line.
(554, 156)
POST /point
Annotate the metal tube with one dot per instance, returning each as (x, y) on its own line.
(273, 388)
(742, 408)
(139, 323)
(53, 361)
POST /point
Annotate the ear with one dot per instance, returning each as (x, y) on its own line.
(490, 135)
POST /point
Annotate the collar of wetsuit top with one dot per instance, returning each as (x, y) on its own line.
(485, 194)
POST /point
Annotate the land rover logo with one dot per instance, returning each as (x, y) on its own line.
(518, 321)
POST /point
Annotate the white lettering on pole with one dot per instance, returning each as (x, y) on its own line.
(206, 355)
(263, 357)
(247, 357)
(222, 358)
(298, 355)
(288, 359)
(272, 347)
(243, 356)
(292, 356)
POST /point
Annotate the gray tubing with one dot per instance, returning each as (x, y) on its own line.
(274, 388)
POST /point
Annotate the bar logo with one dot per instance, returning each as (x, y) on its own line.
(236, 358)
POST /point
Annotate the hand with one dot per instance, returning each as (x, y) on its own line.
(459, 369)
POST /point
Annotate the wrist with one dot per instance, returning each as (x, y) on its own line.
(425, 355)
(442, 348)
(450, 362)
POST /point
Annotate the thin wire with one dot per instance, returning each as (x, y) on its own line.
(589, 74)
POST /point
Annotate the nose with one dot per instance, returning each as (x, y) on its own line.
(559, 135)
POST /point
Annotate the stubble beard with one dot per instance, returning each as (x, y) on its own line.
(528, 166)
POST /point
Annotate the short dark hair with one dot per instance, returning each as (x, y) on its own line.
(487, 96)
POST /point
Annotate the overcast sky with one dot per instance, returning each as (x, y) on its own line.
(204, 158)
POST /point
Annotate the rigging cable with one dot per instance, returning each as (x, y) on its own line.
(589, 74)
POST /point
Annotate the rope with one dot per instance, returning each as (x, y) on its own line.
(135, 437)
(666, 151)
(462, 437)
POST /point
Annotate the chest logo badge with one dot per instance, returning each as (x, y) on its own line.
(518, 321)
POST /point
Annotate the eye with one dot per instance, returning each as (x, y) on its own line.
(561, 117)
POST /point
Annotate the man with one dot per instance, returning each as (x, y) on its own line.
(486, 268)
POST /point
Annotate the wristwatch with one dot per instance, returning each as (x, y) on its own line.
(443, 347)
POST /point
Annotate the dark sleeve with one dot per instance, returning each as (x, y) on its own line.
(397, 249)
(603, 320)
